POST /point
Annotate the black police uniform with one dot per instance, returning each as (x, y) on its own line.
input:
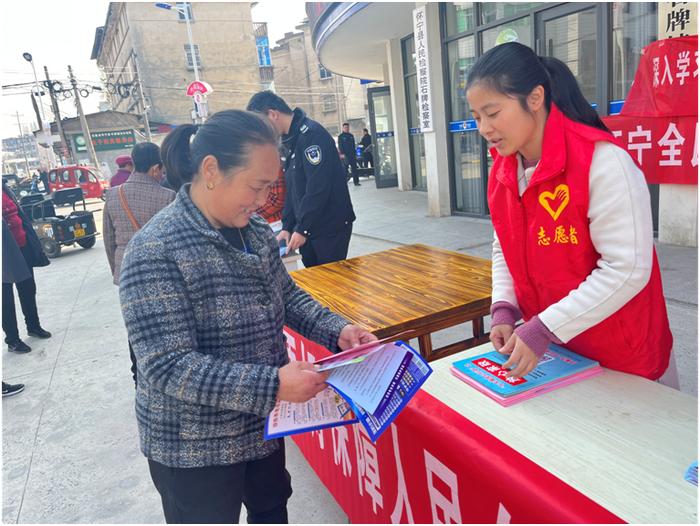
(346, 144)
(318, 202)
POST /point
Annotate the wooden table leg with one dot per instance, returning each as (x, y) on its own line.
(425, 344)
(478, 327)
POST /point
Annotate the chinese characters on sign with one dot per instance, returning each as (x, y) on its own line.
(425, 108)
(677, 19)
(658, 122)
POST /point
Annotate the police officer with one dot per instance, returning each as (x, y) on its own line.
(318, 214)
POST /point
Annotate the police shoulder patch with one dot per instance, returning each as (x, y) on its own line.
(313, 154)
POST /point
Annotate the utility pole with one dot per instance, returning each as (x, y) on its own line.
(21, 144)
(83, 120)
(143, 100)
(67, 152)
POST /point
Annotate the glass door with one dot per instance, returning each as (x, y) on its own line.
(573, 34)
(381, 122)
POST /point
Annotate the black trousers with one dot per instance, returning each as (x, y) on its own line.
(352, 163)
(326, 249)
(27, 298)
(214, 494)
(133, 362)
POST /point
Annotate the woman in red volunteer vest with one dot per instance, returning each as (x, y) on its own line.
(573, 251)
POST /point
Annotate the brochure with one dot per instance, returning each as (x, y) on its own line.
(369, 385)
(557, 368)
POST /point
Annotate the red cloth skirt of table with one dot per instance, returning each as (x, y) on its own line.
(435, 466)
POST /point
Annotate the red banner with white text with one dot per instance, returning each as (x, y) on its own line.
(658, 121)
(435, 466)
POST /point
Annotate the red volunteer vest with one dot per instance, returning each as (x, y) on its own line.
(546, 244)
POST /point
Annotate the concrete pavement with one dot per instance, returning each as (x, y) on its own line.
(70, 445)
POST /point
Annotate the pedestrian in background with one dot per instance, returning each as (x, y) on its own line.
(126, 166)
(130, 206)
(21, 252)
(573, 253)
(205, 297)
(318, 214)
(366, 143)
(346, 145)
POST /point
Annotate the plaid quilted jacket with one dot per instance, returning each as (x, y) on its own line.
(205, 322)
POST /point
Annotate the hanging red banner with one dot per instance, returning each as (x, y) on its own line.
(658, 121)
(665, 148)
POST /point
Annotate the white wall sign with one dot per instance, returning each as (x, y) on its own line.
(425, 107)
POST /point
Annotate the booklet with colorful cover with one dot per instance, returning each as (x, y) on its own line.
(369, 384)
(557, 368)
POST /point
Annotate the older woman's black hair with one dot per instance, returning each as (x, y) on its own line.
(227, 135)
(515, 70)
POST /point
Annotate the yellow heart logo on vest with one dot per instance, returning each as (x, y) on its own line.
(560, 195)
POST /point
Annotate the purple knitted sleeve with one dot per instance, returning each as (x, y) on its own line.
(503, 313)
(536, 335)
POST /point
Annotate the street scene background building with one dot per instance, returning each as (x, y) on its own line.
(600, 42)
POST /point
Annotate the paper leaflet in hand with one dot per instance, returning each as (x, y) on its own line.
(372, 392)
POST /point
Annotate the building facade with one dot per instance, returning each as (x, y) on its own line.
(139, 41)
(302, 81)
(600, 42)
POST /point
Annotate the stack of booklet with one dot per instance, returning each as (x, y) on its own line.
(369, 384)
(557, 368)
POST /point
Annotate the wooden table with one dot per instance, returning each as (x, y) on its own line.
(413, 288)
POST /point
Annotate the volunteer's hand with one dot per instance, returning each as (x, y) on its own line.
(521, 355)
(299, 382)
(342, 156)
(295, 242)
(283, 235)
(354, 335)
(500, 334)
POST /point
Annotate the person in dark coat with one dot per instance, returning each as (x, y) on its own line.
(318, 214)
(21, 251)
(366, 143)
(346, 145)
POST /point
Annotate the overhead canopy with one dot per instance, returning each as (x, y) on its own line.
(350, 37)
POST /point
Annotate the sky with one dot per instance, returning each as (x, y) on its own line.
(58, 34)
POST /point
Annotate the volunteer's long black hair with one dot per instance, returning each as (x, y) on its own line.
(514, 69)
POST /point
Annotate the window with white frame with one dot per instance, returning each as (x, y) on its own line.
(181, 8)
(323, 72)
(188, 54)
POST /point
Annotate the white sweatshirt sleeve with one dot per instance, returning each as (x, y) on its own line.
(502, 288)
(622, 233)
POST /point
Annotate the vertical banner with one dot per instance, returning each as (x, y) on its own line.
(425, 105)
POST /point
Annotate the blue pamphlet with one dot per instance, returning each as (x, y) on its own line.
(370, 387)
(557, 367)
(691, 474)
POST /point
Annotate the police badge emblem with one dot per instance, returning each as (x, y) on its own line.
(313, 154)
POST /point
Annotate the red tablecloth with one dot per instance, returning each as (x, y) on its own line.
(435, 466)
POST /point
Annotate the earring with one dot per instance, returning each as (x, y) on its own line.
(210, 186)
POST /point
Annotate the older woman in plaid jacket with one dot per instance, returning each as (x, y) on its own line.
(205, 295)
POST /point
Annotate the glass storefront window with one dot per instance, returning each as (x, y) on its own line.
(461, 57)
(469, 186)
(573, 40)
(409, 60)
(459, 17)
(519, 30)
(634, 25)
(493, 11)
